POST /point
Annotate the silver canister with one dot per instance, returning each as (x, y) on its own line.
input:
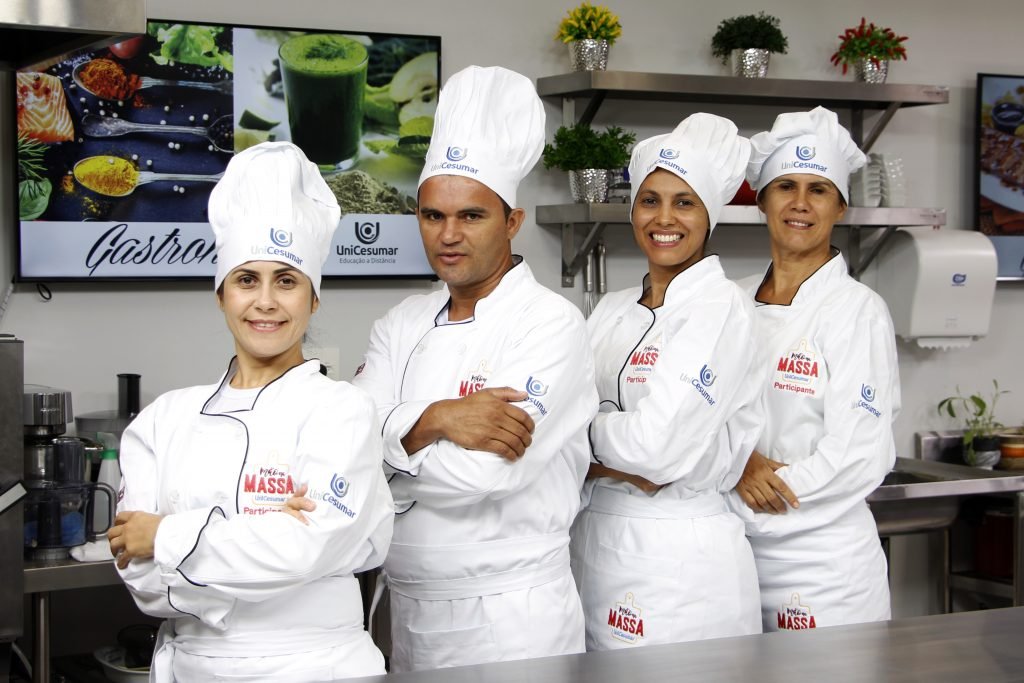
(588, 185)
(750, 63)
(588, 55)
(868, 71)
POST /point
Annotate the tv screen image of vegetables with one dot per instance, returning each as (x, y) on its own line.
(999, 169)
(118, 148)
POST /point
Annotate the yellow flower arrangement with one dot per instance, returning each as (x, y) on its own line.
(589, 21)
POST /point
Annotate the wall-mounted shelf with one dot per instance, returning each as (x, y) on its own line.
(596, 217)
(597, 86)
(786, 92)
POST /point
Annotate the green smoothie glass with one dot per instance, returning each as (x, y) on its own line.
(324, 78)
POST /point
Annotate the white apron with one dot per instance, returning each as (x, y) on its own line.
(324, 660)
(803, 587)
(669, 573)
(679, 407)
(830, 398)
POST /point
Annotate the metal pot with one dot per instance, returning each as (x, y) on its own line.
(588, 55)
(750, 63)
(871, 71)
(589, 185)
(984, 452)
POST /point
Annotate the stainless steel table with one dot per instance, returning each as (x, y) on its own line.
(924, 495)
(976, 647)
(43, 577)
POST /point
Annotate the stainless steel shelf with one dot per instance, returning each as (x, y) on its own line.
(42, 577)
(618, 213)
(635, 85)
(597, 86)
(977, 584)
(597, 216)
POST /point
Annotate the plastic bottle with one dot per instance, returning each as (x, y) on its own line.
(110, 474)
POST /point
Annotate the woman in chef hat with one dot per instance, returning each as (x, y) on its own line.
(832, 390)
(248, 594)
(657, 554)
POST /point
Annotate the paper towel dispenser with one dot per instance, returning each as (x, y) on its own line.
(939, 284)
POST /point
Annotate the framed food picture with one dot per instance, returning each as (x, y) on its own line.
(118, 148)
(999, 171)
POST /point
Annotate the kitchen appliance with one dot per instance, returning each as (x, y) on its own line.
(59, 507)
(11, 577)
(107, 426)
(30, 32)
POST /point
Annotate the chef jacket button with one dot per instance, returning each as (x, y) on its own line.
(175, 496)
(420, 348)
(618, 321)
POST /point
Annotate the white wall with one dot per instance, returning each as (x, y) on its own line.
(174, 335)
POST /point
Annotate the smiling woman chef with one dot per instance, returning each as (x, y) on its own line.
(830, 396)
(248, 595)
(680, 408)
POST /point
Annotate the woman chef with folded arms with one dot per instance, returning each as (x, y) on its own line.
(250, 594)
(664, 560)
(831, 394)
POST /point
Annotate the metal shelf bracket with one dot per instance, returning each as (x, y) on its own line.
(573, 258)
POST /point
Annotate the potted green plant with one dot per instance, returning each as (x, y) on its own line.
(749, 40)
(588, 156)
(981, 429)
(589, 31)
(869, 48)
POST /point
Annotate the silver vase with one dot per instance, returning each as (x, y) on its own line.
(868, 71)
(750, 63)
(588, 185)
(588, 55)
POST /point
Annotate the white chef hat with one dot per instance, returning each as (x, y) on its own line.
(489, 126)
(805, 142)
(273, 205)
(704, 150)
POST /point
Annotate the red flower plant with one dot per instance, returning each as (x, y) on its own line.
(868, 41)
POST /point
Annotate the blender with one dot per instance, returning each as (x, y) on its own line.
(61, 499)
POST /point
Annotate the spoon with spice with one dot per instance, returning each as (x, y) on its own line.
(117, 177)
(108, 80)
(220, 133)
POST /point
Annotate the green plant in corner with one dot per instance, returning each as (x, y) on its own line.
(579, 146)
(749, 31)
(588, 22)
(977, 414)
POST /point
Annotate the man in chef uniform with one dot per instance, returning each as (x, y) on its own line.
(485, 389)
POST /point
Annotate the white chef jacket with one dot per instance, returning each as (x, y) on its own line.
(235, 579)
(679, 389)
(831, 396)
(471, 523)
(680, 396)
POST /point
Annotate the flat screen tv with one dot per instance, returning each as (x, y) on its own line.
(999, 169)
(118, 148)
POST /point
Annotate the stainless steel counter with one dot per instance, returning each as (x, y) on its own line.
(970, 646)
(914, 478)
(43, 577)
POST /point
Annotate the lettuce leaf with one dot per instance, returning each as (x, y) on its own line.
(191, 45)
